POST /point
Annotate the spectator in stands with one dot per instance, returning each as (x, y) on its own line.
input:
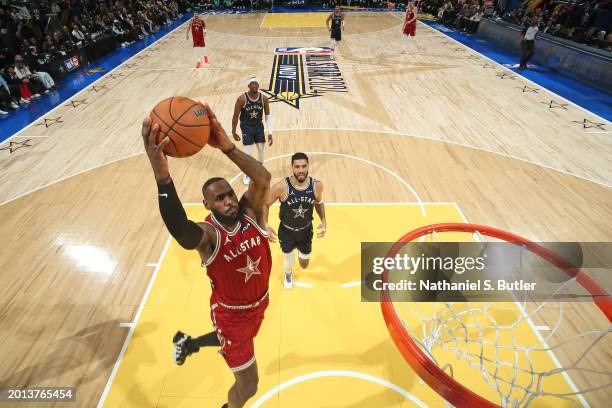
(38, 80)
(67, 36)
(446, 8)
(600, 39)
(25, 47)
(7, 101)
(78, 36)
(471, 26)
(58, 39)
(548, 28)
(55, 8)
(49, 46)
(18, 86)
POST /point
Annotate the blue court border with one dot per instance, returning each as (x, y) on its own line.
(583, 95)
(77, 81)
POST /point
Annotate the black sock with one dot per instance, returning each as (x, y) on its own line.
(207, 340)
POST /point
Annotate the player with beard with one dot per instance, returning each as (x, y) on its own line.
(197, 26)
(298, 195)
(233, 245)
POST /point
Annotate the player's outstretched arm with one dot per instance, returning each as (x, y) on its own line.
(187, 233)
(260, 177)
(320, 209)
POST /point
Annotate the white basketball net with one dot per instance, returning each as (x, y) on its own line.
(489, 337)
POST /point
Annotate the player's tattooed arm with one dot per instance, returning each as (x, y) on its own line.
(320, 209)
(266, 103)
(237, 108)
(277, 192)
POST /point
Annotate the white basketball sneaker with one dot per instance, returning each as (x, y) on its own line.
(246, 180)
(288, 280)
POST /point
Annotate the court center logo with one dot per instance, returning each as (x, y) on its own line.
(303, 72)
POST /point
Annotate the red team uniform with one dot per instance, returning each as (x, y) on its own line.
(239, 272)
(197, 32)
(410, 29)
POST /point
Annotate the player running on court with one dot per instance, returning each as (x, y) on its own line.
(250, 108)
(337, 25)
(409, 28)
(298, 195)
(197, 26)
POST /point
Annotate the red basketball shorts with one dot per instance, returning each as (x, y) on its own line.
(199, 42)
(410, 30)
(236, 330)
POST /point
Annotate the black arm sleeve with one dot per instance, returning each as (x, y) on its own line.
(186, 232)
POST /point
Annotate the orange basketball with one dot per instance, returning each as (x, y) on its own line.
(186, 124)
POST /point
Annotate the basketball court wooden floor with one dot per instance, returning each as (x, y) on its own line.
(94, 288)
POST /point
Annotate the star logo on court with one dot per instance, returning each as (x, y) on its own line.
(94, 70)
(14, 146)
(77, 103)
(50, 122)
(505, 75)
(299, 212)
(250, 269)
(552, 105)
(97, 88)
(587, 124)
(528, 89)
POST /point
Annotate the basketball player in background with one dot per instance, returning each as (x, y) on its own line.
(233, 245)
(337, 25)
(298, 195)
(409, 28)
(197, 26)
(250, 108)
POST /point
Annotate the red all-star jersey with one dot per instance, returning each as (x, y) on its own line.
(197, 27)
(239, 267)
(197, 32)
